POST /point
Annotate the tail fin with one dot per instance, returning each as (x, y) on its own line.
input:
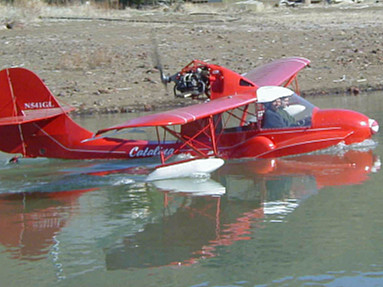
(23, 96)
(26, 104)
(34, 124)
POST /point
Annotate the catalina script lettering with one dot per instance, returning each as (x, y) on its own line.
(147, 152)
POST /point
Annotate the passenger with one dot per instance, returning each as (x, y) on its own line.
(289, 119)
(271, 117)
(251, 122)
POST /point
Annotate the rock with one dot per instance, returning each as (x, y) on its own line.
(354, 90)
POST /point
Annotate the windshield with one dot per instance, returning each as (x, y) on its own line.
(290, 111)
(299, 108)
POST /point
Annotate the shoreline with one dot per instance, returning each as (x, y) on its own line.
(103, 66)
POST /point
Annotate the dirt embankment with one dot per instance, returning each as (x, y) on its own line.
(103, 62)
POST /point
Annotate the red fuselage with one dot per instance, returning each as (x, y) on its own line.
(329, 127)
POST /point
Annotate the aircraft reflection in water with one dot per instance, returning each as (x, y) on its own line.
(197, 227)
(29, 222)
(198, 216)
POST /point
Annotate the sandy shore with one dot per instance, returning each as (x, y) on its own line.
(103, 62)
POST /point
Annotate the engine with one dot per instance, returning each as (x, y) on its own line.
(193, 82)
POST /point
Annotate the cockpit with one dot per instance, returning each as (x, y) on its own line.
(280, 107)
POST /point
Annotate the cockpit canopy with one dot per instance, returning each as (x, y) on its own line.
(299, 108)
(280, 107)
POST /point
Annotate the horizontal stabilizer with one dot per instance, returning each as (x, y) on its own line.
(35, 115)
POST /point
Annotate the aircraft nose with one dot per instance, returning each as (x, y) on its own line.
(374, 126)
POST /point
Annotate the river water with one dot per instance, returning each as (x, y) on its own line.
(312, 220)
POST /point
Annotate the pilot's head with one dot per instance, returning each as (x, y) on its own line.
(274, 105)
(271, 96)
(285, 102)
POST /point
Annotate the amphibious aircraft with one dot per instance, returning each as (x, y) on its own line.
(227, 124)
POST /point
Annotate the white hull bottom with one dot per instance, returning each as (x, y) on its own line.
(191, 168)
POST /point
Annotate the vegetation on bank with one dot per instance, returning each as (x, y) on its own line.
(14, 13)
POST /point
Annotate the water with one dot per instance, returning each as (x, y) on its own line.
(311, 220)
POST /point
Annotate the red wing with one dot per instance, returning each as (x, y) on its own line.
(188, 114)
(276, 72)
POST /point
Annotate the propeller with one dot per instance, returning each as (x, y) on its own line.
(158, 65)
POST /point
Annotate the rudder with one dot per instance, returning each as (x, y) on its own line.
(26, 104)
(20, 90)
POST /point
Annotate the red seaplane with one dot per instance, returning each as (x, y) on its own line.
(229, 124)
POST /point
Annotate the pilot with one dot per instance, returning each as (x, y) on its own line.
(270, 97)
(289, 119)
(272, 118)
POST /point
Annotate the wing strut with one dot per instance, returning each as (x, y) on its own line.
(188, 142)
(193, 143)
(212, 135)
(295, 84)
(162, 156)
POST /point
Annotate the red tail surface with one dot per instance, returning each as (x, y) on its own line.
(34, 124)
(31, 119)
(21, 90)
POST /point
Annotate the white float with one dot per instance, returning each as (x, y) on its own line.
(190, 168)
